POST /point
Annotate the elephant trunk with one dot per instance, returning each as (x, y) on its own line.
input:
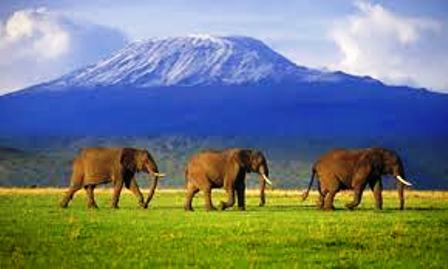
(152, 169)
(400, 188)
(151, 190)
(264, 178)
(401, 182)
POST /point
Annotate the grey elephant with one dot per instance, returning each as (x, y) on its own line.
(211, 169)
(341, 169)
(95, 166)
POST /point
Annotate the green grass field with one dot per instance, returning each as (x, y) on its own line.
(286, 233)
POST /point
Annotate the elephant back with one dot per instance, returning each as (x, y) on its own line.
(99, 164)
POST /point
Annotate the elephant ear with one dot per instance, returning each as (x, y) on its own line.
(370, 163)
(128, 159)
(257, 155)
(243, 158)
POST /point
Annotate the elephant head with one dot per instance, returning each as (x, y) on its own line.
(255, 161)
(141, 161)
(387, 162)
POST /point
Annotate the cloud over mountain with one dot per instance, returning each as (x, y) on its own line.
(394, 48)
(38, 44)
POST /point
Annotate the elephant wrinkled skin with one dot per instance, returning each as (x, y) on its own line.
(211, 169)
(355, 169)
(95, 166)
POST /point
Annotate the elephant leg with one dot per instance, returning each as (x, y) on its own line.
(191, 191)
(90, 197)
(230, 200)
(357, 196)
(116, 194)
(69, 195)
(208, 199)
(377, 188)
(262, 190)
(320, 202)
(400, 188)
(329, 198)
(240, 191)
(133, 187)
(321, 199)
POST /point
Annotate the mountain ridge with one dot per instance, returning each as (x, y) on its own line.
(195, 60)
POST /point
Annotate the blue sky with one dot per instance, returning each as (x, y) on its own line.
(399, 42)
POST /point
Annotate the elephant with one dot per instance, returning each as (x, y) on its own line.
(95, 166)
(354, 169)
(211, 169)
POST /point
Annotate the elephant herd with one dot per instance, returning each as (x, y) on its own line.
(336, 170)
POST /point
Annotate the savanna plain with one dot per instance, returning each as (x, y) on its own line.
(286, 233)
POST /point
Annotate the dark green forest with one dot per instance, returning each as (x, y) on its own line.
(47, 161)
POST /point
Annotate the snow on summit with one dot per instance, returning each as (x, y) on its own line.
(189, 61)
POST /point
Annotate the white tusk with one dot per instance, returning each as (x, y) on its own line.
(407, 183)
(154, 173)
(266, 179)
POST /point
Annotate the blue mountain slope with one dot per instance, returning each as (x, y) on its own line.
(291, 110)
(191, 85)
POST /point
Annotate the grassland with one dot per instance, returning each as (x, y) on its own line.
(286, 233)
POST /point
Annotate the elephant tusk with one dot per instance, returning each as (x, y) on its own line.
(156, 174)
(407, 183)
(159, 174)
(266, 179)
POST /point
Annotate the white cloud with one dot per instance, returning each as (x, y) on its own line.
(393, 48)
(37, 45)
(48, 38)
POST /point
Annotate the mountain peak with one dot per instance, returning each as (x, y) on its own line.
(193, 60)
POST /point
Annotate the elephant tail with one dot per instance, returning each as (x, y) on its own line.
(305, 194)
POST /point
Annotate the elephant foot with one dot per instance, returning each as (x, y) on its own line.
(223, 206)
(64, 202)
(92, 205)
(211, 208)
(187, 206)
(319, 204)
(328, 208)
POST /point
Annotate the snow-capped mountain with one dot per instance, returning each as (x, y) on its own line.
(192, 61)
(199, 86)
